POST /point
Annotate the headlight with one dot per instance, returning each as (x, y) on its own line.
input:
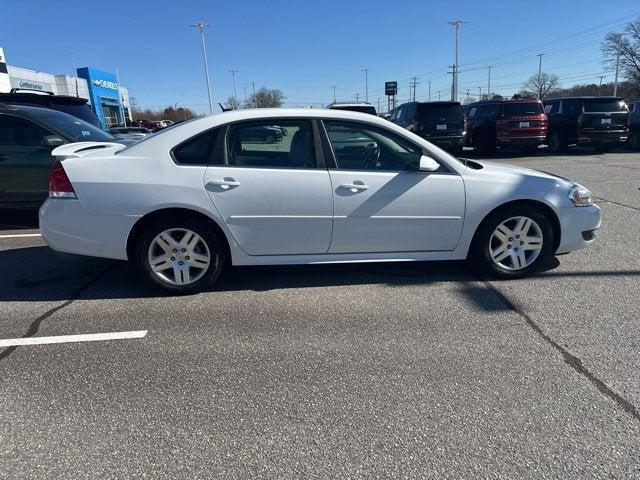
(580, 196)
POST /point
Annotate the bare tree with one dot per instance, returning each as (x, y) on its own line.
(266, 98)
(172, 112)
(628, 44)
(232, 102)
(540, 85)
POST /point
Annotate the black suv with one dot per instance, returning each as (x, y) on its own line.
(441, 123)
(634, 125)
(597, 121)
(78, 107)
(27, 136)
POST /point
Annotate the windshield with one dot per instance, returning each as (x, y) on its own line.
(72, 127)
(82, 111)
(608, 105)
(448, 112)
(533, 108)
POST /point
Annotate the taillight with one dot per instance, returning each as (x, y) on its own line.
(59, 184)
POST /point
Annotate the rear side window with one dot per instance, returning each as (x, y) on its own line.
(552, 107)
(533, 108)
(490, 110)
(473, 112)
(197, 150)
(271, 144)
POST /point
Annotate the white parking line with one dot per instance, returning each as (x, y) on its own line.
(22, 235)
(89, 337)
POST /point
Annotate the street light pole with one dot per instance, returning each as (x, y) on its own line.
(201, 26)
(429, 90)
(334, 93)
(366, 84)
(489, 84)
(600, 85)
(540, 75)
(456, 66)
(235, 92)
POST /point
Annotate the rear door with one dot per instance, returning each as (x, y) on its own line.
(25, 162)
(273, 190)
(382, 203)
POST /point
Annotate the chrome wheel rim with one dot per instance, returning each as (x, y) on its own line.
(516, 243)
(179, 256)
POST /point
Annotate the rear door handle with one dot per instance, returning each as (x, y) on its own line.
(355, 187)
(223, 182)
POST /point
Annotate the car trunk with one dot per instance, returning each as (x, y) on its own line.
(440, 119)
(522, 120)
(604, 114)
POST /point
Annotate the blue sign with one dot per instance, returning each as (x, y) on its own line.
(104, 93)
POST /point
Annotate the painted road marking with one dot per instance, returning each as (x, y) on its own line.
(89, 337)
(22, 235)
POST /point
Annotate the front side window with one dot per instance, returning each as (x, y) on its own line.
(19, 132)
(196, 150)
(359, 146)
(552, 107)
(271, 144)
(473, 112)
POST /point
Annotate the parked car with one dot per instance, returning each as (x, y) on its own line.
(520, 124)
(183, 204)
(27, 136)
(129, 133)
(78, 107)
(633, 141)
(442, 123)
(595, 121)
(361, 107)
(166, 123)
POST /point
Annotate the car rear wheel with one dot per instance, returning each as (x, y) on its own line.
(512, 243)
(179, 256)
(556, 143)
(484, 145)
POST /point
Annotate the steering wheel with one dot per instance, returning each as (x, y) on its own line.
(372, 160)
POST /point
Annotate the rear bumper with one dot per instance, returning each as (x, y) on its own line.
(445, 141)
(579, 227)
(586, 138)
(528, 141)
(67, 227)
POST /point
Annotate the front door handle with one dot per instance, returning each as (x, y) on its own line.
(355, 187)
(223, 182)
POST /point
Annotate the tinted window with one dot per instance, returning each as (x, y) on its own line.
(19, 132)
(82, 111)
(358, 146)
(399, 114)
(197, 150)
(552, 107)
(439, 111)
(533, 108)
(490, 110)
(604, 105)
(473, 111)
(73, 127)
(278, 143)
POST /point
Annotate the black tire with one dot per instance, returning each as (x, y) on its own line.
(483, 144)
(556, 144)
(634, 141)
(480, 258)
(216, 251)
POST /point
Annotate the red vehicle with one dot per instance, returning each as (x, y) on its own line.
(520, 124)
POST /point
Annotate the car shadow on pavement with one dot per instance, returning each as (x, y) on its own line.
(40, 274)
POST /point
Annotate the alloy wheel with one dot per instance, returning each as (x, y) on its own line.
(178, 256)
(516, 243)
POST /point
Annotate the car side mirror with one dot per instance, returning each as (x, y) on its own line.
(52, 141)
(428, 164)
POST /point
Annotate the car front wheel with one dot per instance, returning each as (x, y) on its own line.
(512, 243)
(179, 256)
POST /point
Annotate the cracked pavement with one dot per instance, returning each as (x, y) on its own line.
(336, 371)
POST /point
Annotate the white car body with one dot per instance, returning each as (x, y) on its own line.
(297, 216)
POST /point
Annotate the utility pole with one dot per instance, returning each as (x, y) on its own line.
(245, 96)
(456, 67)
(255, 100)
(429, 90)
(235, 93)
(439, 94)
(378, 104)
(366, 84)
(600, 85)
(357, 97)
(489, 84)
(479, 93)
(540, 75)
(201, 26)
(415, 83)
(334, 93)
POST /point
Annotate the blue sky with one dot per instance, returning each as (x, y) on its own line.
(303, 47)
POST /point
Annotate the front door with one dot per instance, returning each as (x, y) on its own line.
(270, 192)
(382, 203)
(25, 162)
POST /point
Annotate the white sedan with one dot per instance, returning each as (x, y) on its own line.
(272, 187)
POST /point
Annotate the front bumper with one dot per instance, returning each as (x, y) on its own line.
(67, 227)
(579, 227)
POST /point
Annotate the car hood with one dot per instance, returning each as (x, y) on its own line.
(492, 168)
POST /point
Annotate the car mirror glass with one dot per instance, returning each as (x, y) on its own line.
(52, 141)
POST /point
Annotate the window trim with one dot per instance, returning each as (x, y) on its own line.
(446, 170)
(319, 153)
(210, 154)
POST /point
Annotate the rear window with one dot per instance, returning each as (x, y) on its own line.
(448, 112)
(533, 108)
(604, 105)
(72, 126)
(82, 111)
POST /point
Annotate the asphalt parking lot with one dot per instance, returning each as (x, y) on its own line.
(366, 371)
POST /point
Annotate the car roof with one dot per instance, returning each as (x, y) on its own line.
(585, 97)
(510, 100)
(40, 98)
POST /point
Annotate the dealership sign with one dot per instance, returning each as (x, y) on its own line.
(105, 84)
(29, 84)
(390, 88)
